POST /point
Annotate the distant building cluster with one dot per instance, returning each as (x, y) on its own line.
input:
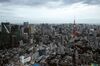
(49, 44)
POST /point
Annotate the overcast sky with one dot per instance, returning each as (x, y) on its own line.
(50, 11)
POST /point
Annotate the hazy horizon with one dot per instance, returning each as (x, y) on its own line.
(50, 11)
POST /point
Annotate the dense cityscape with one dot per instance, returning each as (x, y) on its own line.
(49, 32)
(49, 44)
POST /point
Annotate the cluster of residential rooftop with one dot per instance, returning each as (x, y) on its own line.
(49, 44)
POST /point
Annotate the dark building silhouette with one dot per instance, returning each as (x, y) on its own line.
(9, 36)
(15, 35)
(5, 27)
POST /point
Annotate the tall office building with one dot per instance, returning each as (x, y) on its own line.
(26, 24)
(26, 27)
(15, 35)
(9, 36)
(5, 36)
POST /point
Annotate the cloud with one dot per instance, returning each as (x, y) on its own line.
(43, 2)
(39, 2)
(43, 14)
(92, 2)
(4, 0)
(89, 2)
(68, 2)
(27, 2)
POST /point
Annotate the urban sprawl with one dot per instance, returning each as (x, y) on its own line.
(49, 44)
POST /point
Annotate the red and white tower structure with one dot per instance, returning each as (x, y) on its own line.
(75, 32)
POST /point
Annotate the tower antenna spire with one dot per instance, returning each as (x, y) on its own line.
(74, 26)
(74, 21)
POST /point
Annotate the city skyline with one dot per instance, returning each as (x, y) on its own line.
(50, 11)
